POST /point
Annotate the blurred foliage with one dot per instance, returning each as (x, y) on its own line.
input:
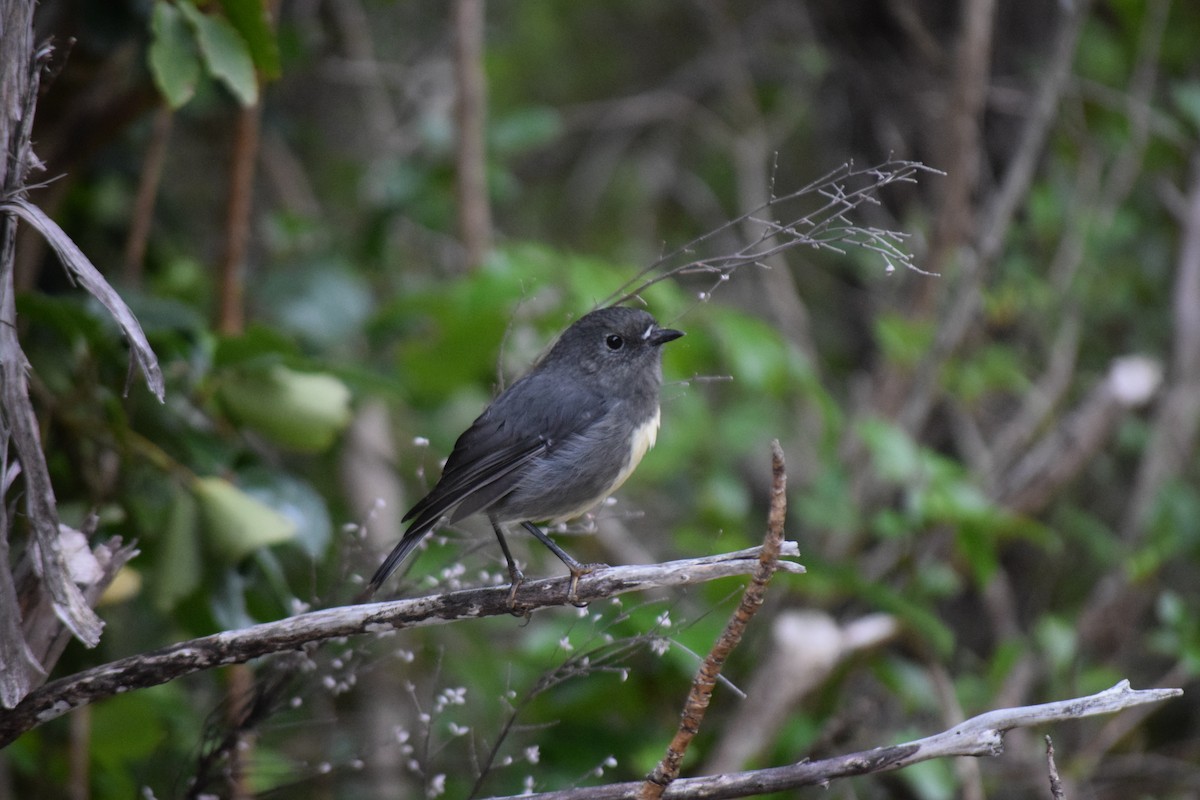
(613, 135)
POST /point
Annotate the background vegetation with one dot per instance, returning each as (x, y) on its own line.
(1000, 458)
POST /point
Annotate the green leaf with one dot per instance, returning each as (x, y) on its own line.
(253, 22)
(300, 410)
(992, 369)
(173, 58)
(228, 601)
(525, 129)
(130, 728)
(238, 524)
(931, 780)
(904, 341)
(1187, 99)
(259, 345)
(979, 548)
(179, 565)
(322, 304)
(757, 355)
(225, 53)
(296, 500)
(894, 454)
(1057, 640)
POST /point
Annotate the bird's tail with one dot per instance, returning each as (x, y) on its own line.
(412, 537)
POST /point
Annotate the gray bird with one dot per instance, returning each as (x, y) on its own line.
(556, 442)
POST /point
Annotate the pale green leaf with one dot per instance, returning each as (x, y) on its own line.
(173, 58)
(300, 410)
(238, 524)
(225, 53)
(177, 573)
(252, 20)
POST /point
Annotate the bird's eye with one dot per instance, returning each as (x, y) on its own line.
(614, 342)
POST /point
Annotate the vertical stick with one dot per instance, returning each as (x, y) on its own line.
(474, 210)
(231, 313)
(694, 709)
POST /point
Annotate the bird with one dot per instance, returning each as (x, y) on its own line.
(553, 444)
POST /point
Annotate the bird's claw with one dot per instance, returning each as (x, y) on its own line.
(516, 578)
(578, 572)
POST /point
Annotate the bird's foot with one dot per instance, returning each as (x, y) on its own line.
(577, 572)
(515, 578)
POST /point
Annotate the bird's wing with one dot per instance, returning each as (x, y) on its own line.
(479, 468)
(497, 469)
(535, 415)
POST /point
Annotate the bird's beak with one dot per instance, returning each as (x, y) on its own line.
(661, 336)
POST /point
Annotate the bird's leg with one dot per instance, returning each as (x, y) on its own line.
(576, 569)
(515, 576)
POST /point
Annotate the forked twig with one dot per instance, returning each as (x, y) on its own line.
(828, 226)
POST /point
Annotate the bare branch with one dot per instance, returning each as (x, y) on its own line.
(1065, 451)
(982, 735)
(474, 210)
(1177, 420)
(959, 309)
(141, 218)
(806, 647)
(231, 281)
(1056, 788)
(826, 227)
(231, 647)
(667, 770)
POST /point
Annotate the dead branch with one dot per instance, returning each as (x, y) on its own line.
(82, 271)
(141, 218)
(474, 210)
(1064, 452)
(36, 611)
(823, 225)
(16, 411)
(806, 647)
(982, 735)
(1056, 788)
(232, 647)
(916, 394)
(1177, 419)
(247, 131)
(667, 770)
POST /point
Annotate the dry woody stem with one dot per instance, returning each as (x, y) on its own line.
(752, 599)
(232, 647)
(982, 735)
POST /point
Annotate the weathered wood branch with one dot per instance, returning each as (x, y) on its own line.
(982, 735)
(230, 647)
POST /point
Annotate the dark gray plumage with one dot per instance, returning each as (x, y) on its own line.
(556, 442)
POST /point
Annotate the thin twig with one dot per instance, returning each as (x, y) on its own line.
(826, 227)
(142, 216)
(917, 393)
(667, 770)
(231, 312)
(474, 210)
(1056, 787)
